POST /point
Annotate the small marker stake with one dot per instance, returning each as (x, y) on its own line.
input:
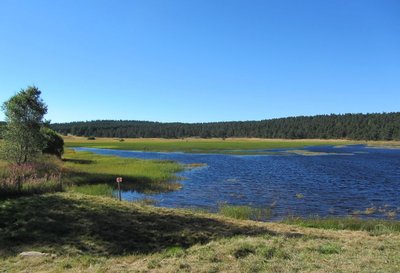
(119, 181)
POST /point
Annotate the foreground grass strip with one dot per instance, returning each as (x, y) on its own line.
(96, 234)
(79, 224)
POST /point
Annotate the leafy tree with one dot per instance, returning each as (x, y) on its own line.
(24, 114)
(54, 142)
(2, 126)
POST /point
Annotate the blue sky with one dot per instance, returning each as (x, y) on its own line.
(198, 60)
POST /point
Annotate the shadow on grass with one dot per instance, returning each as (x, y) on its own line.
(78, 161)
(75, 224)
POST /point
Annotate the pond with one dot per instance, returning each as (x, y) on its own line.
(321, 180)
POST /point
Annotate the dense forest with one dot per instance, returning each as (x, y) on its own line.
(385, 126)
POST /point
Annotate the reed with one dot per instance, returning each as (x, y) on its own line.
(244, 212)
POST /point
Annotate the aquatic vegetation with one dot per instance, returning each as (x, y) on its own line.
(244, 212)
(233, 180)
(386, 211)
(145, 202)
(195, 165)
(391, 214)
(374, 226)
(311, 153)
(370, 210)
(299, 195)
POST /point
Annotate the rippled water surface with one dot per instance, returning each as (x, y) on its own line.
(327, 181)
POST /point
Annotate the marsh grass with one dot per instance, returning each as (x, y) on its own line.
(244, 212)
(148, 176)
(373, 226)
(145, 202)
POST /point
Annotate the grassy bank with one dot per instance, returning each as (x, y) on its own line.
(197, 145)
(86, 168)
(98, 234)
(91, 174)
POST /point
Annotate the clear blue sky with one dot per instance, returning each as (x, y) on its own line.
(198, 60)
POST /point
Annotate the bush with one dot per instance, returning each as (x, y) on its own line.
(54, 142)
(29, 178)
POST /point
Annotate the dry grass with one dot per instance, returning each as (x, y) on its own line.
(95, 234)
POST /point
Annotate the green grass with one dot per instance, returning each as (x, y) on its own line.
(197, 145)
(373, 226)
(99, 234)
(97, 189)
(245, 212)
(85, 168)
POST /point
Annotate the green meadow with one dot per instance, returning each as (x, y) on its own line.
(197, 145)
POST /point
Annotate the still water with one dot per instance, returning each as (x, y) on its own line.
(324, 181)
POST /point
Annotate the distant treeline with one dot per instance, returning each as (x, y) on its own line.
(384, 126)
